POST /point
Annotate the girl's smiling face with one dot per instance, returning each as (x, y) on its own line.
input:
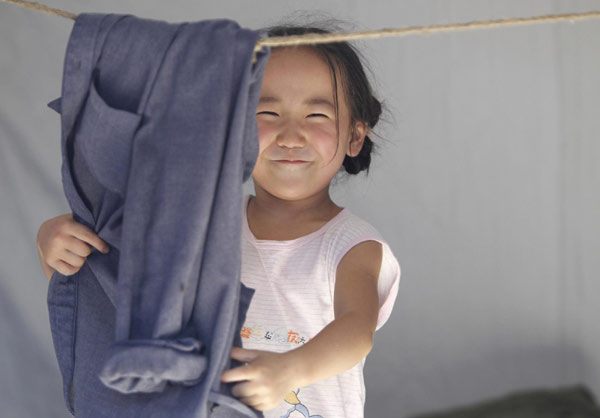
(299, 150)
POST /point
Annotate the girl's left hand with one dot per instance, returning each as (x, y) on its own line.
(266, 378)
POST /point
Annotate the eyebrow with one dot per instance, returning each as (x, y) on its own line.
(311, 101)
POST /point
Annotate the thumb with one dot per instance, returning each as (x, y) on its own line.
(242, 354)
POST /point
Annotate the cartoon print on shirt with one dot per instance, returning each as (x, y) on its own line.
(292, 398)
(270, 334)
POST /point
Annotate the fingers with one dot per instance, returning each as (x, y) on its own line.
(237, 374)
(64, 268)
(83, 233)
(77, 246)
(251, 394)
(255, 388)
(244, 372)
(64, 244)
(69, 258)
(253, 401)
(243, 390)
(72, 259)
(258, 402)
(243, 354)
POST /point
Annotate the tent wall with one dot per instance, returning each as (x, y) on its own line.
(485, 185)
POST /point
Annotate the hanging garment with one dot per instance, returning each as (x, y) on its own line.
(158, 135)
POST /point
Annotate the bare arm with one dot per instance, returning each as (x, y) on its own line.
(269, 376)
(349, 338)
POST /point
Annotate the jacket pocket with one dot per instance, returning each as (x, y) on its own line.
(106, 138)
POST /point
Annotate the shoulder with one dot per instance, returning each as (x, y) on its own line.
(360, 253)
(363, 257)
(353, 234)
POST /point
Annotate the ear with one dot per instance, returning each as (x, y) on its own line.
(357, 138)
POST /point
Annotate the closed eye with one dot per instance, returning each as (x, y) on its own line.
(318, 114)
(267, 113)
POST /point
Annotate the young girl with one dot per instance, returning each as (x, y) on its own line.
(324, 279)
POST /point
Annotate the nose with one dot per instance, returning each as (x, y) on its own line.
(291, 136)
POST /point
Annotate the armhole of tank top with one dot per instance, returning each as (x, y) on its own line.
(335, 256)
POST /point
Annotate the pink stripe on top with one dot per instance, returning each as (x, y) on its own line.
(294, 282)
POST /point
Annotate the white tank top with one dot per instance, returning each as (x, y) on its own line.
(294, 282)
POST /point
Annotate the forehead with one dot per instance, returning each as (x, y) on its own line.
(298, 72)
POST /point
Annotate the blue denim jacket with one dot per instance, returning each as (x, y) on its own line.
(158, 135)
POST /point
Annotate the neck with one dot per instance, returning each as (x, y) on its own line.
(279, 210)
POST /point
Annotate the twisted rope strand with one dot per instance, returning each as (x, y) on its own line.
(36, 6)
(317, 38)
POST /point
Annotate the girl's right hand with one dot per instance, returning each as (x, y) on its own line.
(62, 245)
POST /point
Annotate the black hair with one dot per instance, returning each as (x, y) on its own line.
(363, 105)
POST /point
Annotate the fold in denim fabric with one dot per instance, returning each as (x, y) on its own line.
(158, 135)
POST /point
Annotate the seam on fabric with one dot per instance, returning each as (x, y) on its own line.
(262, 263)
(355, 242)
(148, 91)
(73, 338)
(250, 237)
(330, 269)
(217, 187)
(287, 245)
(97, 53)
(368, 236)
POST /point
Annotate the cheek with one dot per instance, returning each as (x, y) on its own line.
(325, 142)
(323, 135)
(322, 128)
(265, 131)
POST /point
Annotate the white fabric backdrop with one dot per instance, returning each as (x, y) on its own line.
(486, 187)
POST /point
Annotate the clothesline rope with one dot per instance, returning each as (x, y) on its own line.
(318, 38)
(42, 8)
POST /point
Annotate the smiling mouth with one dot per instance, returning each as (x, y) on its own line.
(291, 161)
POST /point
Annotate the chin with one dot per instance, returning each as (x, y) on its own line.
(291, 189)
(289, 193)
